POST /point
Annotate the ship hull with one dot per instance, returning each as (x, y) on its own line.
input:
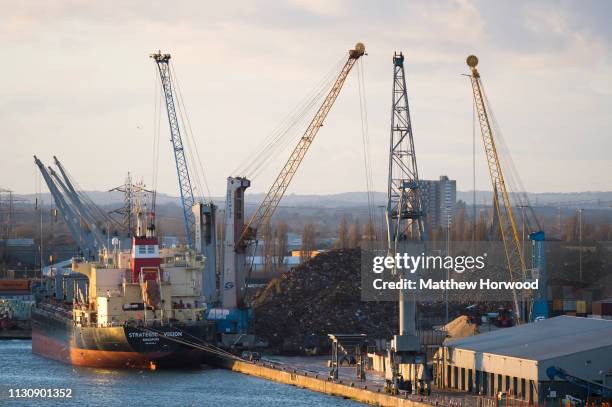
(56, 337)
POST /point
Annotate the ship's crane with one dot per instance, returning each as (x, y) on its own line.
(85, 211)
(85, 241)
(182, 169)
(79, 209)
(237, 234)
(503, 208)
(95, 215)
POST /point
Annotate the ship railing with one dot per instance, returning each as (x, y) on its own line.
(55, 309)
(110, 324)
(188, 310)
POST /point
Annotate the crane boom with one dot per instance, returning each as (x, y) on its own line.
(86, 243)
(182, 170)
(507, 224)
(73, 196)
(238, 233)
(270, 202)
(80, 209)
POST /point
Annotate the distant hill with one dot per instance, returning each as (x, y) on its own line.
(356, 199)
(588, 199)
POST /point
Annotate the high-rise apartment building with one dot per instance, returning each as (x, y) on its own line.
(439, 201)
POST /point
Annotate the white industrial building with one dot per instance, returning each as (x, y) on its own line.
(515, 360)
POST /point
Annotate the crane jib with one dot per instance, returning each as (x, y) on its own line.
(507, 224)
(182, 169)
(269, 204)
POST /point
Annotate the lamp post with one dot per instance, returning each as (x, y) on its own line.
(580, 243)
(448, 221)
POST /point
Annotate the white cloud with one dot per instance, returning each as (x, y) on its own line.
(77, 81)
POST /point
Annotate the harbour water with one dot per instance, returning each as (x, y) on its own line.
(20, 369)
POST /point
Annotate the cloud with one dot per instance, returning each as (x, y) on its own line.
(78, 81)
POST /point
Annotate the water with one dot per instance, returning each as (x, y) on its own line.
(19, 368)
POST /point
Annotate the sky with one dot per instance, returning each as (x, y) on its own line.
(77, 83)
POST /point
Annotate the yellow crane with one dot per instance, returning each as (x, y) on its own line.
(267, 207)
(507, 224)
(238, 234)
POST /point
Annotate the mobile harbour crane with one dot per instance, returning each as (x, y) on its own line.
(239, 236)
(503, 209)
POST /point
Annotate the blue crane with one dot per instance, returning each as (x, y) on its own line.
(182, 170)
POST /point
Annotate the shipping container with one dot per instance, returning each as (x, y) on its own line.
(557, 305)
(14, 285)
(602, 308)
(581, 307)
(569, 305)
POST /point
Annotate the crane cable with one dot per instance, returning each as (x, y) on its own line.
(292, 128)
(474, 169)
(192, 162)
(196, 167)
(365, 138)
(284, 135)
(512, 177)
(157, 102)
(98, 214)
(202, 345)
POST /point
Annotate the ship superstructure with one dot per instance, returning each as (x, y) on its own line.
(140, 307)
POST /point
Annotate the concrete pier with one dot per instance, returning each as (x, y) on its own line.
(350, 390)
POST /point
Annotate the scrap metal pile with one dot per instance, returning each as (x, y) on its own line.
(296, 312)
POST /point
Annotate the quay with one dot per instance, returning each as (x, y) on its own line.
(312, 374)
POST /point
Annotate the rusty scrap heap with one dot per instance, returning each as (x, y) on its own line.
(297, 311)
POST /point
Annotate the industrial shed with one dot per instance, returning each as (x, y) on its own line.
(514, 360)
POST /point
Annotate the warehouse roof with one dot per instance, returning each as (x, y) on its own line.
(542, 340)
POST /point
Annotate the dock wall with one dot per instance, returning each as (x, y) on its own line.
(322, 385)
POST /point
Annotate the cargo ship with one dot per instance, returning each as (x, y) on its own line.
(137, 308)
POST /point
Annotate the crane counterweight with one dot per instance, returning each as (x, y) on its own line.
(472, 61)
(358, 51)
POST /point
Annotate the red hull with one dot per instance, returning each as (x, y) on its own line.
(49, 348)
